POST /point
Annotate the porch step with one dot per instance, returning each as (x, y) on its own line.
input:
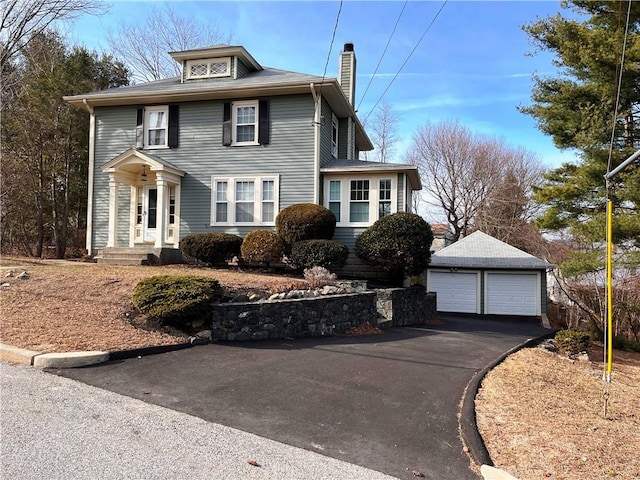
(125, 256)
(122, 261)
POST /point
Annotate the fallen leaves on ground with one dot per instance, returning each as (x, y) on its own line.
(364, 329)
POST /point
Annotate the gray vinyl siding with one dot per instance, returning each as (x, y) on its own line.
(343, 138)
(242, 69)
(345, 74)
(201, 155)
(325, 134)
(401, 199)
(348, 235)
(115, 133)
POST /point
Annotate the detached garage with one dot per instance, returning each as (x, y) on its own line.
(480, 274)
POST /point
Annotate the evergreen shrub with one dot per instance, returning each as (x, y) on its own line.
(399, 243)
(214, 248)
(305, 221)
(176, 300)
(571, 341)
(262, 246)
(329, 254)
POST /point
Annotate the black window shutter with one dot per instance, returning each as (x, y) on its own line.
(263, 127)
(139, 128)
(173, 126)
(226, 125)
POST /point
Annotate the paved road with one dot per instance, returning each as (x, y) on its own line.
(54, 428)
(387, 402)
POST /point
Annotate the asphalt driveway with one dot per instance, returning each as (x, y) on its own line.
(388, 402)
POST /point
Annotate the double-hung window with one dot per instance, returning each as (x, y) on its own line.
(359, 201)
(155, 127)
(244, 200)
(384, 197)
(245, 123)
(335, 198)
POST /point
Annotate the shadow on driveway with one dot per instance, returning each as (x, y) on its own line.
(388, 402)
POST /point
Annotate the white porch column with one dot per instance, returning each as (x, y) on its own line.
(113, 211)
(161, 215)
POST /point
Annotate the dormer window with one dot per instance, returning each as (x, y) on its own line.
(208, 68)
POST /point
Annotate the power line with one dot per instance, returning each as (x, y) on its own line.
(333, 37)
(407, 59)
(382, 56)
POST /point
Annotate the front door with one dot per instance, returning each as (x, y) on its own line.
(149, 214)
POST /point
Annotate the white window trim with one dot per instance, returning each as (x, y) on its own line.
(335, 145)
(380, 199)
(145, 120)
(208, 61)
(257, 199)
(340, 199)
(234, 124)
(374, 198)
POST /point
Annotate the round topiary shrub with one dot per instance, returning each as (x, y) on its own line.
(305, 221)
(329, 254)
(399, 243)
(262, 246)
(176, 299)
(213, 247)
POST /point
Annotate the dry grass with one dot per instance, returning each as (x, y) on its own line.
(542, 416)
(78, 306)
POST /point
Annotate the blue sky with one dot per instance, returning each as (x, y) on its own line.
(471, 65)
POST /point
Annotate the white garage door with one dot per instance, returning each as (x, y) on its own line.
(511, 294)
(457, 292)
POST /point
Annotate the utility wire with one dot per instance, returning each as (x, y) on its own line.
(333, 37)
(382, 56)
(406, 60)
(615, 113)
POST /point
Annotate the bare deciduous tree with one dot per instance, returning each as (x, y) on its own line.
(143, 46)
(384, 133)
(23, 20)
(479, 182)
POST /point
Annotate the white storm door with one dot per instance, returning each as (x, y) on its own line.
(456, 291)
(149, 213)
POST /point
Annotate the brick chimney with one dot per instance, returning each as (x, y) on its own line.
(347, 72)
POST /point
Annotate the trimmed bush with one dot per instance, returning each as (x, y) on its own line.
(262, 246)
(176, 299)
(305, 221)
(399, 243)
(329, 254)
(213, 247)
(571, 341)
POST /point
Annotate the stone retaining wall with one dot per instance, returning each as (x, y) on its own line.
(406, 306)
(327, 315)
(303, 317)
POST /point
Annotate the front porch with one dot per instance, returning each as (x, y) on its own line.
(148, 210)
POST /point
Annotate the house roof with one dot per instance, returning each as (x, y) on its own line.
(263, 81)
(361, 166)
(480, 250)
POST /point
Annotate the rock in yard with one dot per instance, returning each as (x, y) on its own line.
(23, 276)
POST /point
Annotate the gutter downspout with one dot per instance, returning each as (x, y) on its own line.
(317, 101)
(92, 127)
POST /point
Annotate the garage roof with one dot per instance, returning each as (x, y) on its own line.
(480, 250)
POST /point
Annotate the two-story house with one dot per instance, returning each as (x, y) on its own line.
(224, 147)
